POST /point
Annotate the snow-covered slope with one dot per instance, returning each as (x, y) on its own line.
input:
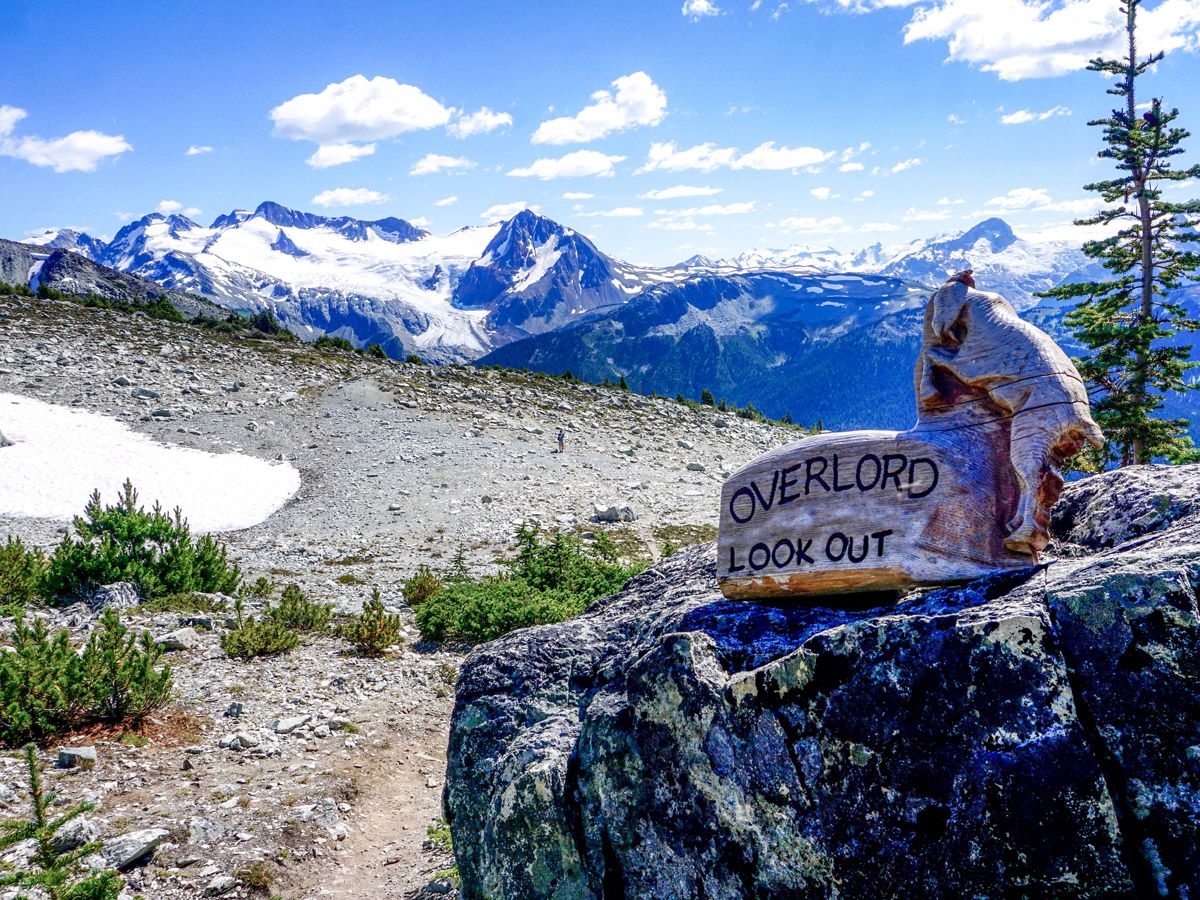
(1003, 262)
(68, 239)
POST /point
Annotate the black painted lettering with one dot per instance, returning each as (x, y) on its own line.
(741, 492)
(850, 550)
(810, 476)
(890, 460)
(842, 541)
(733, 567)
(863, 485)
(912, 469)
(766, 556)
(791, 552)
(837, 487)
(784, 496)
(802, 551)
(879, 536)
(768, 501)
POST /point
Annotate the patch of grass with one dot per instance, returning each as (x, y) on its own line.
(547, 580)
(672, 537)
(133, 739)
(258, 876)
(351, 560)
(187, 602)
(440, 839)
(626, 544)
(349, 578)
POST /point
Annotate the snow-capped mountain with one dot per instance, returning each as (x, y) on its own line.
(1003, 262)
(68, 239)
(457, 297)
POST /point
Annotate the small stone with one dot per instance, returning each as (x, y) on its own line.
(613, 512)
(686, 445)
(119, 595)
(220, 884)
(695, 467)
(290, 724)
(144, 394)
(163, 413)
(132, 847)
(75, 834)
(180, 639)
(234, 711)
(76, 757)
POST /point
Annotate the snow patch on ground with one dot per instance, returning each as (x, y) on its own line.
(60, 455)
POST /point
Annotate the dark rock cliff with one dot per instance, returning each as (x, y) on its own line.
(1036, 734)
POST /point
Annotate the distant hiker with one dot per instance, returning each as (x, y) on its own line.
(4, 442)
(562, 440)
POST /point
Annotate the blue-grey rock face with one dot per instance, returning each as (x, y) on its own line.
(1030, 735)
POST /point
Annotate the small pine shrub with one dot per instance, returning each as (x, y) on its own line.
(257, 637)
(414, 359)
(56, 874)
(376, 352)
(374, 629)
(326, 342)
(119, 669)
(42, 687)
(706, 398)
(188, 603)
(46, 688)
(297, 613)
(261, 588)
(22, 573)
(422, 586)
(124, 542)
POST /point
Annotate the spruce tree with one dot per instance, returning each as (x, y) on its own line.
(1129, 322)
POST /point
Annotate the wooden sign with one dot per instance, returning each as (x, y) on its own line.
(965, 492)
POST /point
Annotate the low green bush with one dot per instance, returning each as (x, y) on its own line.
(153, 550)
(548, 580)
(376, 352)
(423, 585)
(47, 688)
(251, 638)
(54, 872)
(119, 669)
(374, 629)
(22, 573)
(297, 613)
(326, 342)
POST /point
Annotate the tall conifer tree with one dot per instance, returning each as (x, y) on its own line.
(1129, 321)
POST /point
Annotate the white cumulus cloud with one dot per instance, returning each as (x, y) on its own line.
(580, 164)
(812, 225)
(708, 156)
(699, 9)
(446, 201)
(481, 122)
(679, 190)
(906, 164)
(715, 209)
(1039, 200)
(1019, 39)
(620, 212)
(577, 195)
(79, 151)
(1021, 116)
(356, 110)
(170, 207)
(768, 157)
(636, 101)
(328, 155)
(432, 163)
(198, 150)
(824, 193)
(349, 197)
(506, 210)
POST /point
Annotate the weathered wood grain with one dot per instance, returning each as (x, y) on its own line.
(966, 491)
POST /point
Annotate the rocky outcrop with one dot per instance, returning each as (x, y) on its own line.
(1032, 734)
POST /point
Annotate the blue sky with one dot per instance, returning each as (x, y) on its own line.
(726, 124)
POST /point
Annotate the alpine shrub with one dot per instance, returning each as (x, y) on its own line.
(297, 613)
(325, 342)
(22, 572)
(548, 580)
(124, 542)
(119, 670)
(56, 872)
(257, 637)
(374, 629)
(422, 586)
(376, 352)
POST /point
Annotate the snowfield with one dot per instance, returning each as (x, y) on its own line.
(60, 455)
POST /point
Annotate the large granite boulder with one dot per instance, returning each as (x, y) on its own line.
(1032, 734)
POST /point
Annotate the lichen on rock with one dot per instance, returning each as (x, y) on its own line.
(1033, 733)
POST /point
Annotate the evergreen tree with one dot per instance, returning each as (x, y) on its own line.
(57, 871)
(1129, 322)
